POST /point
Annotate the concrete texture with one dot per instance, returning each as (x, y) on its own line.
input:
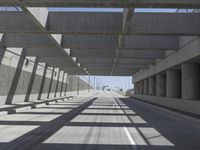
(173, 84)
(27, 81)
(160, 85)
(190, 81)
(50, 33)
(146, 87)
(183, 105)
(189, 50)
(92, 123)
(109, 4)
(152, 86)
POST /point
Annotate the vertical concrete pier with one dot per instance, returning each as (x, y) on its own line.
(146, 86)
(190, 81)
(161, 85)
(173, 83)
(152, 86)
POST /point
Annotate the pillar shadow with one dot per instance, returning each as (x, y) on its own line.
(44, 131)
(15, 80)
(30, 86)
(61, 90)
(2, 49)
(42, 83)
(50, 85)
(182, 133)
(57, 82)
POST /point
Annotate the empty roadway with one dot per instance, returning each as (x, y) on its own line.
(105, 121)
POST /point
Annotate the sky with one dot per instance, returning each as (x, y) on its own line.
(114, 82)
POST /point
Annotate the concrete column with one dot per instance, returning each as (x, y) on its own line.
(173, 83)
(137, 88)
(152, 86)
(161, 85)
(146, 86)
(190, 81)
(141, 87)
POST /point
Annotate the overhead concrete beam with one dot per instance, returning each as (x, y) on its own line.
(43, 52)
(93, 53)
(84, 22)
(89, 41)
(129, 42)
(18, 22)
(148, 42)
(28, 40)
(106, 3)
(95, 60)
(165, 24)
(188, 52)
(99, 23)
(39, 16)
(110, 61)
(61, 62)
(129, 66)
(126, 19)
(142, 54)
(135, 61)
(108, 23)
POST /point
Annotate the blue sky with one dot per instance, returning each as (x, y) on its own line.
(111, 81)
(114, 82)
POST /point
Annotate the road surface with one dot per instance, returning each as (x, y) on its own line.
(106, 121)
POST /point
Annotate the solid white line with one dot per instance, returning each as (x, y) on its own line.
(130, 138)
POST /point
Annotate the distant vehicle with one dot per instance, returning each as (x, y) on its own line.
(108, 89)
(129, 92)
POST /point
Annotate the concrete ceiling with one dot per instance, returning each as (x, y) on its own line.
(104, 43)
(106, 3)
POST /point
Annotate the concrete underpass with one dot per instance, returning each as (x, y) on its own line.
(53, 54)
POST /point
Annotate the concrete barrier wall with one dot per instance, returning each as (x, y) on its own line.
(188, 106)
(23, 79)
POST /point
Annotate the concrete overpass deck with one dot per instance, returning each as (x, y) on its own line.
(105, 121)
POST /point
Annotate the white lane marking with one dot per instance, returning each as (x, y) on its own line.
(130, 138)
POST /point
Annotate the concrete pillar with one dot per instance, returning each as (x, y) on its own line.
(146, 86)
(135, 88)
(152, 86)
(137, 84)
(138, 88)
(173, 83)
(190, 81)
(141, 87)
(161, 85)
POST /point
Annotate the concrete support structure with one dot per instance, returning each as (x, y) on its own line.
(141, 87)
(173, 83)
(136, 88)
(161, 85)
(152, 86)
(146, 86)
(190, 81)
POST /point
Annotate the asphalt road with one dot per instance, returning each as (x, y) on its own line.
(107, 121)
